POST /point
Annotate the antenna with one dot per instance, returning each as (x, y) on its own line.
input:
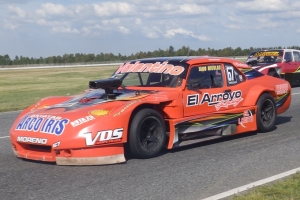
(188, 51)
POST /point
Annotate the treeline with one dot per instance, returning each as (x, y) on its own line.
(109, 57)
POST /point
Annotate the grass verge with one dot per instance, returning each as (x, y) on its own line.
(21, 88)
(287, 189)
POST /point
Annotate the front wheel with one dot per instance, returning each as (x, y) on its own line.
(266, 113)
(147, 134)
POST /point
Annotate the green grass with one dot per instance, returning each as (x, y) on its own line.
(21, 88)
(287, 189)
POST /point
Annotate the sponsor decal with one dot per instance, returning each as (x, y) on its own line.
(218, 100)
(43, 123)
(210, 68)
(157, 67)
(247, 118)
(56, 144)
(103, 137)
(125, 108)
(32, 140)
(269, 53)
(240, 64)
(281, 88)
(99, 113)
(192, 100)
(82, 120)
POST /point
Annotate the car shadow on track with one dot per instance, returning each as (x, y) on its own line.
(38, 162)
(283, 119)
(212, 142)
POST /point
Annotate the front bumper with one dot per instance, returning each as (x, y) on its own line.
(104, 155)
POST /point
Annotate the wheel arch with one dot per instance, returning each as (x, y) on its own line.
(270, 92)
(254, 94)
(151, 106)
(130, 146)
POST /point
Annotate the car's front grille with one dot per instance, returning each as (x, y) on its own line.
(37, 148)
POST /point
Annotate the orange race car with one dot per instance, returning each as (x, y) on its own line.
(149, 104)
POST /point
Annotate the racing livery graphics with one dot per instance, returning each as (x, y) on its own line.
(150, 104)
(43, 123)
(217, 100)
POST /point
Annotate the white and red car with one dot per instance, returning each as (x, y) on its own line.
(283, 63)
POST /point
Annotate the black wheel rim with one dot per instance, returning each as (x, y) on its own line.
(267, 112)
(150, 134)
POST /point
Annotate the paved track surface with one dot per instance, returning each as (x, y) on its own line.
(193, 172)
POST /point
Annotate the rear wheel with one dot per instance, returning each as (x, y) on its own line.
(266, 113)
(147, 134)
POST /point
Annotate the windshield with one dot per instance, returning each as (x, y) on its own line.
(150, 74)
(270, 56)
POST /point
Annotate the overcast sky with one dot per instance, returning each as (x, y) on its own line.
(35, 28)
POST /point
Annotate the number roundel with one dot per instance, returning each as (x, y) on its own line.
(231, 77)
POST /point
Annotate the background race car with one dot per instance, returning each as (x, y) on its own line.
(147, 105)
(284, 63)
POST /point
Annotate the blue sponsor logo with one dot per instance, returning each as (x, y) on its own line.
(43, 123)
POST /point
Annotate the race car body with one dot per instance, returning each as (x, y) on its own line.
(284, 63)
(147, 105)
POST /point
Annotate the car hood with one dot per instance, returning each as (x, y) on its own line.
(98, 97)
(85, 108)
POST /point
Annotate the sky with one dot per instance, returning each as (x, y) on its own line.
(43, 28)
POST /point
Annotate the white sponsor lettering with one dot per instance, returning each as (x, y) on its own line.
(240, 64)
(281, 88)
(247, 118)
(32, 140)
(56, 144)
(82, 120)
(101, 137)
(150, 68)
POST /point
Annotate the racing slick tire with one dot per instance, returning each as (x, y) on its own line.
(266, 113)
(147, 134)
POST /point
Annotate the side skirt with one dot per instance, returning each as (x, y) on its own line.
(197, 129)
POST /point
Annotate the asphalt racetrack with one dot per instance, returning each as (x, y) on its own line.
(194, 172)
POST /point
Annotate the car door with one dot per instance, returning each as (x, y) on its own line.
(289, 64)
(206, 91)
(296, 55)
(236, 83)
